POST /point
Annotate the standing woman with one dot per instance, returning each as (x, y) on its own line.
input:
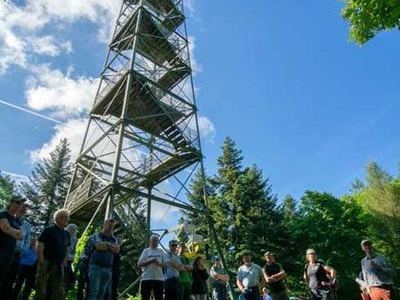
(319, 277)
(200, 276)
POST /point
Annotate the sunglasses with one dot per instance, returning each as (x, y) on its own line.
(174, 245)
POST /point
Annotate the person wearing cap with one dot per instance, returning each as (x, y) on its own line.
(102, 246)
(173, 266)
(377, 273)
(185, 276)
(10, 232)
(52, 251)
(219, 279)
(151, 262)
(248, 277)
(319, 277)
(274, 276)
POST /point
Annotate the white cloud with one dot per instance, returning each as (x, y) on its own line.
(206, 127)
(63, 95)
(196, 67)
(73, 130)
(21, 27)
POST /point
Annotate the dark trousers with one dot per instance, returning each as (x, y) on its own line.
(219, 292)
(172, 289)
(146, 286)
(25, 274)
(251, 293)
(9, 280)
(6, 259)
(50, 282)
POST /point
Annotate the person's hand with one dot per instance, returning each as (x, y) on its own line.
(242, 289)
(19, 235)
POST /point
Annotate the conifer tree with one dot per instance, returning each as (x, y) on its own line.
(7, 187)
(48, 184)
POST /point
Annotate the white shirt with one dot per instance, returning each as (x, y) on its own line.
(152, 271)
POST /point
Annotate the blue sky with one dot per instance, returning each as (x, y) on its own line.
(280, 77)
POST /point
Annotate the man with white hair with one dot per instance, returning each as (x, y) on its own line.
(151, 262)
(53, 249)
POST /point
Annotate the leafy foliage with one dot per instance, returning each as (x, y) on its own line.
(7, 187)
(368, 17)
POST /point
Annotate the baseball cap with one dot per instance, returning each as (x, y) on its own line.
(173, 242)
(311, 251)
(269, 253)
(366, 241)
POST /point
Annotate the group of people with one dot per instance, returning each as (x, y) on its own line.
(169, 274)
(45, 263)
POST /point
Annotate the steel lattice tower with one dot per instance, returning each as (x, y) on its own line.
(142, 141)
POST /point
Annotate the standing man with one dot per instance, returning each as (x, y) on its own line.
(185, 276)
(377, 273)
(173, 266)
(102, 247)
(274, 276)
(248, 277)
(10, 232)
(220, 278)
(151, 262)
(20, 247)
(53, 249)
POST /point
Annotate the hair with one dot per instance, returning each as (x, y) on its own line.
(61, 212)
(71, 226)
(195, 263)
(308, 254)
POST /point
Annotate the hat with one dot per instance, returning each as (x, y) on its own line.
(363, 242)
(311, 251)
(17, 199)
(269, 253)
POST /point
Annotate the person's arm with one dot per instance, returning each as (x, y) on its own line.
(305, 275)
(331, 271)
(239, 284)
(144, 260)
(382, 266)
(7, 229)
(40, 251)
(114, 248)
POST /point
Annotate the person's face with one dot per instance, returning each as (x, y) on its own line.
(154, 242)
(62, 220)
(247, 258)
(173, 247)
(199, 262)
(14, 207)
(367, 248)
(312, 257)
(22, 209)
(218, 262)
(109, 225)
(269, 258)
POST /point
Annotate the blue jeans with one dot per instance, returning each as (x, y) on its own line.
(99, 281)
(219, 292)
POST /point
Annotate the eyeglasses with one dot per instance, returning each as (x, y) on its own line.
(174, 245)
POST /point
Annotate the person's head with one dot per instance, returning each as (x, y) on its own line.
(197, 262)
(366, 246)
(264, 291)
(173, 246)
(154, 239)
(14, 204)
(181, 248)
(71, 228)
(33, 242)
(247, 256)
(23, 208)
(269, 257)
(311, 256)
(61, 218)
(108, 226)
(217, 261)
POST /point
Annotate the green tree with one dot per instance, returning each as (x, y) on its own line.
(7, 187)
(48, 184)
(368, 17)
(334, 229)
